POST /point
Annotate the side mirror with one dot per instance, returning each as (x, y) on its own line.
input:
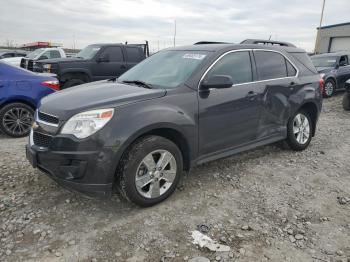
(103, 58)
(217, 81)
(343, 63)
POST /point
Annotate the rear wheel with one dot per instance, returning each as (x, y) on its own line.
(346, 101)
(299, 131)
(329, 88)
(16, 119)
(150, 171)
(73, 82)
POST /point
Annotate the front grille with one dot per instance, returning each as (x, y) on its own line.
(30, 65)
(41, 140)
(48, 118)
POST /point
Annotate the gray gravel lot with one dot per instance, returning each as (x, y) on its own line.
(269, 204)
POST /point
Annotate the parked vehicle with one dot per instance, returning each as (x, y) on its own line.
(12, 53)
(346, 97)
(28, 62)
(20, 93)
(95, 62)
(178, 108)
(334, 69)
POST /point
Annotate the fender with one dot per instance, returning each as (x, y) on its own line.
(74, 70)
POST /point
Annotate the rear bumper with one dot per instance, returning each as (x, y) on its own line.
(87, 172)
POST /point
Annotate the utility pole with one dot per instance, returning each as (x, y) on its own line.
(319, 28)
(175, 34)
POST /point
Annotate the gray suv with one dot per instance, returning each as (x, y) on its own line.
(180, 107)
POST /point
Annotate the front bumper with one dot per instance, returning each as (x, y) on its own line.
(90, 172)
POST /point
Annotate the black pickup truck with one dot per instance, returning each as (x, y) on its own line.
(94, 62)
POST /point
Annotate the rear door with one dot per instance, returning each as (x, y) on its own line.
(113, 66)
(133, 55)
(343, 72)
(277, 78)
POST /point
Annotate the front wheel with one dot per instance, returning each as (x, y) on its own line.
(329, 88)
(299, 131)
(150, 171)
(16, 119)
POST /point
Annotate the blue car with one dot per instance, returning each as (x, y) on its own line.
(20, 93)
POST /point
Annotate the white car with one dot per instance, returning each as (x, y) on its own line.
(38, 54)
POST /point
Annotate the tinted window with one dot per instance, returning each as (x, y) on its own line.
(55, 54)
(237, 65)
(114, 53)
(290, 69)
(305, 60)
(6, 55)
(343, 60)
(133, 54)
(270, 65)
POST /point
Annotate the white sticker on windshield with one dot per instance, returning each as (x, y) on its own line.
(96, 48)
(194, 56)
(331, 61)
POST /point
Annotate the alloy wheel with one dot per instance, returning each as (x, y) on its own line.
(329, 88)
(155, 174)
(17, 121)
(301, 128)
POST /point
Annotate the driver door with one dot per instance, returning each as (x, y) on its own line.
(228, 118)
(343, 71)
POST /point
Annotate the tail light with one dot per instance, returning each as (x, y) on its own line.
(53, 84)
(321, 85)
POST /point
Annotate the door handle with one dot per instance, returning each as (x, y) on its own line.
(251, 95)
(123, 66)
(1, 84)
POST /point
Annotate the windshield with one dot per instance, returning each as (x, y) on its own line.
(326, 61)
(34, 54)
(88, 52)
(166, 69)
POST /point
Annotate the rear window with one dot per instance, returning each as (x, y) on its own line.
(133, 54)
(270, 65)
(305, 60)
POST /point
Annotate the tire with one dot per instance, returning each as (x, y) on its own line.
(16, 119)
(298, 141)
(329, 88)
(346, 101)
(73, 82)
(137, 183)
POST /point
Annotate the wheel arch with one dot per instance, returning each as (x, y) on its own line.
(168, 132)
(72, 74)
(313, 111)
(19, 100)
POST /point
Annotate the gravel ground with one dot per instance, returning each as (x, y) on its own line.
(268, 204)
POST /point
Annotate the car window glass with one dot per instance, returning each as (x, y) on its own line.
(343, 60)
(114, 54)
(237, 65)
(55, 54)
(270, 65)
(291, 71)
(133, 54)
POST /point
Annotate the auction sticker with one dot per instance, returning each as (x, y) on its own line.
(194, 56)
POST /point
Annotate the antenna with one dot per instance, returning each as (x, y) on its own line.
(175, 33)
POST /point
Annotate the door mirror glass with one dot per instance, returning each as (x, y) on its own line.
(103, 58)
(217, 81)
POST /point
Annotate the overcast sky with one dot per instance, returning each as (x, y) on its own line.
(92, 21)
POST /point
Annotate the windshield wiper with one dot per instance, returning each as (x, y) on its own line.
(139, 83)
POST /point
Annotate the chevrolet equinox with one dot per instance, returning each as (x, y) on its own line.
(180, 107)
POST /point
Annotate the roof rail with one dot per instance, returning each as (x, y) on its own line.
(266, 42)
(209, 43)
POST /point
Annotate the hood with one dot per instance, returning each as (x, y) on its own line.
(61, 60)
(12, 59)
(324, 69)
(102, 94)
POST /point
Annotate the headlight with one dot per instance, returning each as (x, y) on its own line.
(47, 68)
(87, 123)
(322, 75)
